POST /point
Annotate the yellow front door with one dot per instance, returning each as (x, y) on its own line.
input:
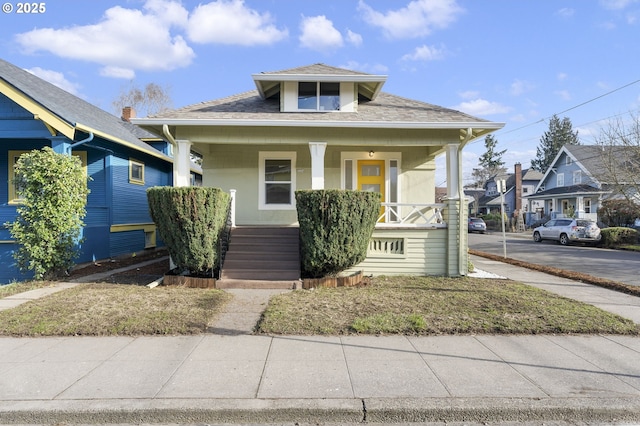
(371, 177)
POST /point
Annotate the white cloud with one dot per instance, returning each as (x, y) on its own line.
(469, 94)
(56, 78)
(562, 76)
(118, 72)
(231, 22)
(566, 12)
(368, 68)
(419, 18)
(424, 53)
(481, 107)
(319, 34)
(354, 38)
(563, 94)
(616, 4)
(103, 42)
(518, 87)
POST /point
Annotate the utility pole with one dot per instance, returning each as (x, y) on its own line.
(502, 187)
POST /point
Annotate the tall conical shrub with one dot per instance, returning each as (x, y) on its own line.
(190, 221)
(335, 229)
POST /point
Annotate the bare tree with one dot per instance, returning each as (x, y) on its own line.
(151, 100)
(620, 155)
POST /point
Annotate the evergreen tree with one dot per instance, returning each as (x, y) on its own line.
(490, 162)
(560, 133)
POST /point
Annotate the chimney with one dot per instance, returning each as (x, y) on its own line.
(518, 175)
(128, 113)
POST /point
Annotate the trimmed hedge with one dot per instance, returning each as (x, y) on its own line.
(335, 229)
(618, 236)
(190, 221)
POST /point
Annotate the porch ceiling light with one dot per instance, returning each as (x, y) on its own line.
(371, 154)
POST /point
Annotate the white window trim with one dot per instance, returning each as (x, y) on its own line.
(577, 177)
(560, 180)
(317, 108)
(275, 155)
(386, 156)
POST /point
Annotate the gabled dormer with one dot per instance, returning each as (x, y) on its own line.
(319, 88)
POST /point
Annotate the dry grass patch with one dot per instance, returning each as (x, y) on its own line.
(431, 305)
(7, 290)
(111, 309)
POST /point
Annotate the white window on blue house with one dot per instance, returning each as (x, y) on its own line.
(136, 172)
(577, 177)
(587, 205)
(277, 180)
(560, 180)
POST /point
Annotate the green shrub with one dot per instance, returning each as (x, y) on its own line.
(53, 191)
(190, 221)
(335, 229)
(618, 212)
(618, 236)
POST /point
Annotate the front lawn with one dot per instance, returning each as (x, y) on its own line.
(113, 309)
(430, 305)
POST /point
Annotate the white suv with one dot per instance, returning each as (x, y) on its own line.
(567, 230)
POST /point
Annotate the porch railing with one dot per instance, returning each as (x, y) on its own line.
(411, 215)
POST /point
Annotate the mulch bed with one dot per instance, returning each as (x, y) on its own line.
(139, 275)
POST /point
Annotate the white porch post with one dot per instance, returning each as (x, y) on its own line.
(453, 172)
(317, 164)
(579, 210)
(182, 163)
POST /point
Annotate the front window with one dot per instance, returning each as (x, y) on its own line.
(560, 180)
(318, 96)
(587, 205)
(277, 180)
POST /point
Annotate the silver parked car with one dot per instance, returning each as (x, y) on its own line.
(567, 230)
(477, 224)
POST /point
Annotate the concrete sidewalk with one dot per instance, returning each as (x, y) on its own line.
(242, 378)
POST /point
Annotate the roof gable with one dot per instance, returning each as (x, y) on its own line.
(368, 85)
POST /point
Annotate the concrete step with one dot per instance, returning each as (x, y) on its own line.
(261, 275)
(257, 284)
(290, 231)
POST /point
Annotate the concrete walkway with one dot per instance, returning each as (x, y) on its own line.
(232, 377)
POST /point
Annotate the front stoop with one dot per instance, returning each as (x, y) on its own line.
(262, 257)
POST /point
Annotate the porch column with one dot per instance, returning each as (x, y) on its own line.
(182, 163)
(455, 215)
(317, 164)
(453, 171)
(579, 210)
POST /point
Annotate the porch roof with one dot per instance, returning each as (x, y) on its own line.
(575, 190)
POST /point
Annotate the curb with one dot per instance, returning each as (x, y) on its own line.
(590, 410)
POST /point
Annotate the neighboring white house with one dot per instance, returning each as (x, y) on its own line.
(317, 127)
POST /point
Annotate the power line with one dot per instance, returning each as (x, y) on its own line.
(572, 108)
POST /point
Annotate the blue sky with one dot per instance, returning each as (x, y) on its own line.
(517, 62)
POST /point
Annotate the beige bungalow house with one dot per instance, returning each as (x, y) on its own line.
(321, 127)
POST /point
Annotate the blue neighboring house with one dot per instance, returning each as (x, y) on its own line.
(121, 165)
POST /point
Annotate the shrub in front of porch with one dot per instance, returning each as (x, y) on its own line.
(335, 229)
(190, 220)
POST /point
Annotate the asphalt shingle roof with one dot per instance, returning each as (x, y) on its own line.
(68, 107)
(386, 108)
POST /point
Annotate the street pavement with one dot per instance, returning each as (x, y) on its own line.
(238, 377)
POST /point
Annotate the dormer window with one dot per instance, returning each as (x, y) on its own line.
(318, 96)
